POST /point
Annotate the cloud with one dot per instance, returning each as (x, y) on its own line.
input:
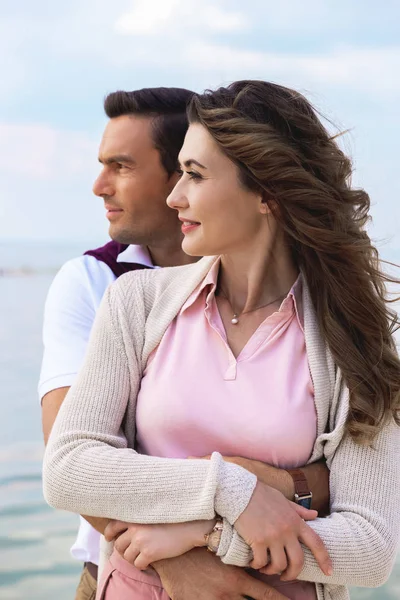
(47, 176)
(219, 20)
(12, 65)
(147, 17)
(151, 17)
(180, 35)
(195, 46)
(58, 61)
(367, 70)
(45, 153)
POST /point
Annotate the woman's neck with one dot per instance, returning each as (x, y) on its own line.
(253, 278)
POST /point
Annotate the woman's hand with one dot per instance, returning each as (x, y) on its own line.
(274, 527)
(142, 545)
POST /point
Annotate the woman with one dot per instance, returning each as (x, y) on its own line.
(278, 348)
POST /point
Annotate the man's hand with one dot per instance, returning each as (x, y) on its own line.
(200, 575)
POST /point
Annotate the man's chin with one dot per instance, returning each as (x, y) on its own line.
(118, 234)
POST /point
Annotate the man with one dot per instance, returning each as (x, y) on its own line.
(138, 152)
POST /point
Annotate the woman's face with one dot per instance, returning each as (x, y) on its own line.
(219, 215)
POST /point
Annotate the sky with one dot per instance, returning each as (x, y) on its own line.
(59, 59)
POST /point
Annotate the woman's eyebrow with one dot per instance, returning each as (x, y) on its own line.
(191, 161)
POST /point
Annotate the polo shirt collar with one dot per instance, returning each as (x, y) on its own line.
(136, 254)
(293, 301)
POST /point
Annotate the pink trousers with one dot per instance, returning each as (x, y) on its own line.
(122, 581)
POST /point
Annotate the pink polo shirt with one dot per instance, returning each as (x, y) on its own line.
(197, 398)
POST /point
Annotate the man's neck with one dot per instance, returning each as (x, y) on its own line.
(170, 257)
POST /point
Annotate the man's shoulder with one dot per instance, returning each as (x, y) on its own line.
(79, 277)
(109, 249)
(87, 267)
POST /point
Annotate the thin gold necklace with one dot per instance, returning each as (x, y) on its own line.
(235, 318)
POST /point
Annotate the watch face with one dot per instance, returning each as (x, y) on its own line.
(306, 502)
(213, 540)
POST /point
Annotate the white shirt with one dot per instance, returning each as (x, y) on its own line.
(71, 305)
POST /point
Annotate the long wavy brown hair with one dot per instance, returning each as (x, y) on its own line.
(282, 149)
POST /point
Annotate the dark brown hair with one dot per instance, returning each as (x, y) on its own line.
(282, 149)
(166, 106)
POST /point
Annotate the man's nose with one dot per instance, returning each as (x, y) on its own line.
(103, 186)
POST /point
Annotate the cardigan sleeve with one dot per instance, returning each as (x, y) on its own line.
(88, 466)
(362, 532)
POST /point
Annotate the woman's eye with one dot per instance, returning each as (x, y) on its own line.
(194, 175)
(191, 174)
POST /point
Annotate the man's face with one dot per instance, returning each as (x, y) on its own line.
(134, 185)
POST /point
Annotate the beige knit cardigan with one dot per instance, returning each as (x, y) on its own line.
(91, 467)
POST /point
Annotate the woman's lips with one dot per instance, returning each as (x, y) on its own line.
(188, 226)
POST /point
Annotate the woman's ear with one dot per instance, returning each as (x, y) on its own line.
(265, 203)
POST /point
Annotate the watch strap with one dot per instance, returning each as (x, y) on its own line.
(213, 538)
(302, 492)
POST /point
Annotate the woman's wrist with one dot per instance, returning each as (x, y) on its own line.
(202, 530)
(213, 538)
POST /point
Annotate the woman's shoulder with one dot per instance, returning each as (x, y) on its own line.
(151, 283)
(157, 277)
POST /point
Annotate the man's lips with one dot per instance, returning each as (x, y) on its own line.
(112, 211)
(112, 208)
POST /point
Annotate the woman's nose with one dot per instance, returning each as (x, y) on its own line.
(177, 199)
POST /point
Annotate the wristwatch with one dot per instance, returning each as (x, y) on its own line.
(302, 492)
(214, 537)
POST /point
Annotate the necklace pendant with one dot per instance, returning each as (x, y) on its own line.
(234, 320)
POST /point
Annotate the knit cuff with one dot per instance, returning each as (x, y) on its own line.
(232, 548)
(234, 490)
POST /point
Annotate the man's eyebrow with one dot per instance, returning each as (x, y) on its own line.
(191, 161)
(118, 158)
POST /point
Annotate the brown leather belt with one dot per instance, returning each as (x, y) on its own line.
(92, 569)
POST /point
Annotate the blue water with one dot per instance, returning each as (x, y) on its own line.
(34, 540)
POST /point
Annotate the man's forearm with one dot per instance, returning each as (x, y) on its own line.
(51, 404)
(317, 476)
(318, 479)
(99, 523)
